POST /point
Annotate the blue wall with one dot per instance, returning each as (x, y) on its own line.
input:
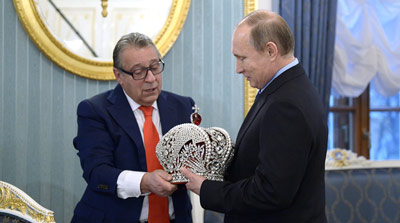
(38, 99)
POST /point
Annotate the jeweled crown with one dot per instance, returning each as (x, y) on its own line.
(204, 151)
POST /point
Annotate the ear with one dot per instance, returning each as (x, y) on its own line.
(118, 75)
(271, 49)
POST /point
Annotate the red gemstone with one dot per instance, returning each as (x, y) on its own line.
(196, 118)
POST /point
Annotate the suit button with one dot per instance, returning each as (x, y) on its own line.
(102, 186)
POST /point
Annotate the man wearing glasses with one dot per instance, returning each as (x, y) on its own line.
(114, 146)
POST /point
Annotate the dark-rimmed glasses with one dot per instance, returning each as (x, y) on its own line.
(140, 74)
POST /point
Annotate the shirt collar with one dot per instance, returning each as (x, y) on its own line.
(134, 105)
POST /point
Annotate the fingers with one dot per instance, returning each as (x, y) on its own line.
(187, 173)
(164, 175)
(195, 181)
(158, 182)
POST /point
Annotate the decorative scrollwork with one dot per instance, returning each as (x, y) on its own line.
(14, 200)
(205, 151)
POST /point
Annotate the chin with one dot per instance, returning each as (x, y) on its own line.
(150, 100)
(253, 85)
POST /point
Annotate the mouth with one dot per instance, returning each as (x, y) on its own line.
(246, 76)
(150, 90)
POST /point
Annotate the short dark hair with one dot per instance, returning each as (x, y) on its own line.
(267, 27)
(135, 39)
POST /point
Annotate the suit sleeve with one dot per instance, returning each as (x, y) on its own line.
(95, 146)
(284, 140)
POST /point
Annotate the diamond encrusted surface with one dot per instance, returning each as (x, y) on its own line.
(206, 152)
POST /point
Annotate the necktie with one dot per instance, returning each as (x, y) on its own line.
(158, 206)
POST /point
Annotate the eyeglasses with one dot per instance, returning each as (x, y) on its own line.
(140, 74)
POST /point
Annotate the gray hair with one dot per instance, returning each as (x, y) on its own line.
(267, 27)
(137, 40)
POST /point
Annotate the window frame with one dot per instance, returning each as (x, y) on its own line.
(361, 123)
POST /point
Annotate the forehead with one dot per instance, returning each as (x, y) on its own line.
(133, 55)
(241, 40)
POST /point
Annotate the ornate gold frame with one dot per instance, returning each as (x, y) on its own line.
(93, 69)
(99, 70)
(249, 92)
(16, 202)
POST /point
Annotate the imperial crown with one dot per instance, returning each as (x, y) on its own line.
(204, 151)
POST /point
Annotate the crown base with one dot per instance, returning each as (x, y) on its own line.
(178, 178)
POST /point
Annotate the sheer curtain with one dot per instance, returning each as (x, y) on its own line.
(367, 47)
(313, 25)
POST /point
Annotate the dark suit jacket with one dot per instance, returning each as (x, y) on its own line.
(109, 141)
(277, 173)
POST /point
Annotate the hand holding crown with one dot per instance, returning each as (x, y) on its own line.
(194, 181)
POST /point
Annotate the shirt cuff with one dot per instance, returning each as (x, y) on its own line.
(128, 184)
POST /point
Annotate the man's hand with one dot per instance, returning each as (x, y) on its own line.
(195, 181)
(157, 182)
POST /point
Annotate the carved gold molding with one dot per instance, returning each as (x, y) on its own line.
(249, 92)
(16, 202)
(85, 67)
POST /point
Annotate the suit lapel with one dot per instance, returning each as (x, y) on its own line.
(167, 111)
(261, 99)
(122, 113)
(250, 117)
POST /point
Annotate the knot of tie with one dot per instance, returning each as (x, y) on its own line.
(147, 110)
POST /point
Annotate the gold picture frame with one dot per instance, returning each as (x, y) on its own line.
(249, 92)
(86, 67)
(98, 70)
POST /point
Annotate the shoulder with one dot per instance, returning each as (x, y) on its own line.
(95, 102)
(175, 108)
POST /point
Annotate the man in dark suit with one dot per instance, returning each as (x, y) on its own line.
(111, 146)
(277, 173)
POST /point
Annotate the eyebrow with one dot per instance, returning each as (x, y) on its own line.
(138, 65)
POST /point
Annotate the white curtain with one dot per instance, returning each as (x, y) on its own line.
(367, 47)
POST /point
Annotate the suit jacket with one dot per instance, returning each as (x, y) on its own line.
(109, 141)
(277, 173)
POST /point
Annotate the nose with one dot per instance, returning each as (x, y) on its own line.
(239, 67)
(150, 76)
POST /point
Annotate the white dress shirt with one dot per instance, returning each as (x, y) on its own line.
(128, 183)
